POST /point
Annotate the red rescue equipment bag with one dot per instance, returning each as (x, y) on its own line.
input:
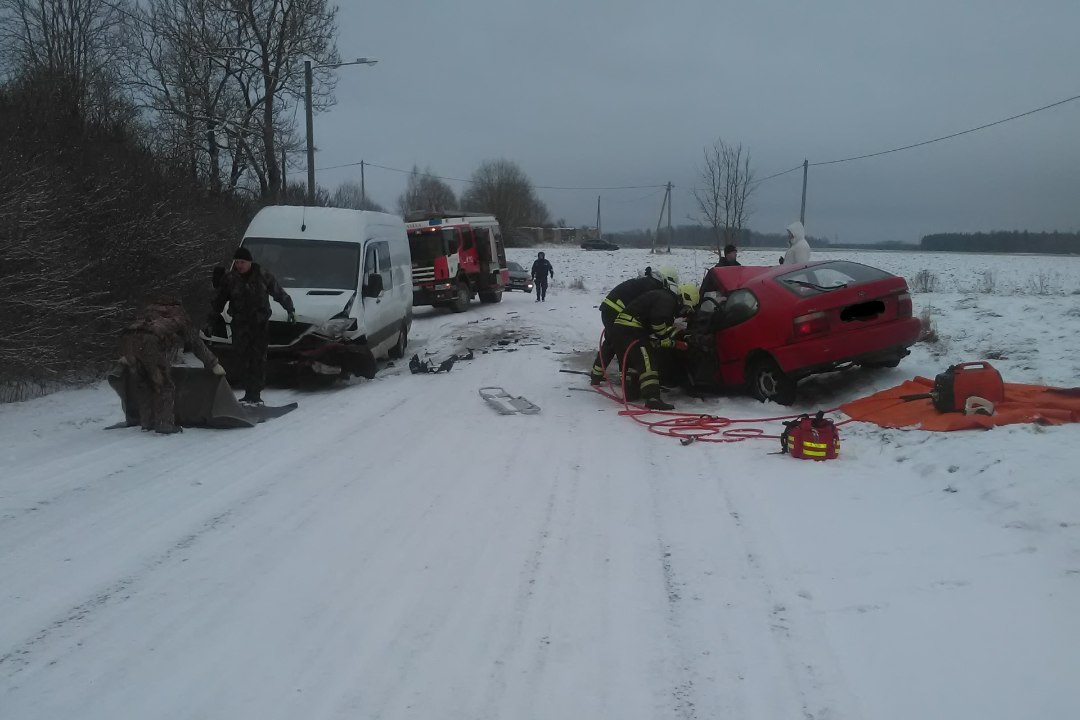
(809, 438)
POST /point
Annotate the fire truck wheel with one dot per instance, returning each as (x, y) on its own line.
(492, 296)
(461, 302)
(766, 381)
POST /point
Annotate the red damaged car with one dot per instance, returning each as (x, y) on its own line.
(765, 328)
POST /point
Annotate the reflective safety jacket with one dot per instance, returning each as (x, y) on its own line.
(652, 315)
(631, 289)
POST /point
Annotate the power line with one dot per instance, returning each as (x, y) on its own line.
(473, 182)
(924, 142)
(947, 137)
(776, 175)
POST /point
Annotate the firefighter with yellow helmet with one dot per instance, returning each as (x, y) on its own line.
(665, 278)
(650, 321)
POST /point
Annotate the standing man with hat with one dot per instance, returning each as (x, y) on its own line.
(247, 289)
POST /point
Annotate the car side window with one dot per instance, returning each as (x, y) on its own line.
(382, 250)
(741, 305)
(371, 265)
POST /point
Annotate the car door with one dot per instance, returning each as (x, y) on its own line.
(378, 309)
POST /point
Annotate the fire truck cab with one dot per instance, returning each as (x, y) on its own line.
(455, 257)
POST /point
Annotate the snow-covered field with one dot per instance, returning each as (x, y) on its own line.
(395, 549)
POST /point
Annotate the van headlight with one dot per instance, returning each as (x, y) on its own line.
(336, 327)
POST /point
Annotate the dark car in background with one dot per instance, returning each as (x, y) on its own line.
(519, 278)
(598, 245)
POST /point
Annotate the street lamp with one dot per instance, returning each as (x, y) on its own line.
(307, 111)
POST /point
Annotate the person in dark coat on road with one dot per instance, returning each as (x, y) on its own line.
(247, 288)
(541, 269)
(148, 348)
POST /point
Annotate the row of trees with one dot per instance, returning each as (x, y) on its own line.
(136, 141)
(210, 86)
(1004, 242)
(499, 187)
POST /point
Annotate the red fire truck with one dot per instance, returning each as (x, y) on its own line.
(455, 257)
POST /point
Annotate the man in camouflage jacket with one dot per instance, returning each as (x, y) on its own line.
(148, 347)
(247, 288)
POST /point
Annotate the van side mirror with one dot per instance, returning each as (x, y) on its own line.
(374, 285)
(218, 276)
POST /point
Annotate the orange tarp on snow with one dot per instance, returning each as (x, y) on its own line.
(1022, 404)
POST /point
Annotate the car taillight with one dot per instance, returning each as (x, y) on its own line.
(903, 305)
(812, 324)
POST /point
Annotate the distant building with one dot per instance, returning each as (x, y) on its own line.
(547, 235)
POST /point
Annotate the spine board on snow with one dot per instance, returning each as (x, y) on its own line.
(507, 404)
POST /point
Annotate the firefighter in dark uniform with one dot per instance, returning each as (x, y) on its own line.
(247, 288)
(615, 303)
(148, 347)
(650, 320)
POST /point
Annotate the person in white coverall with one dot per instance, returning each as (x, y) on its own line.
(798, 249)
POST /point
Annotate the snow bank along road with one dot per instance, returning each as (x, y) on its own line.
(395, 549)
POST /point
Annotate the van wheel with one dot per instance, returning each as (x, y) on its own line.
(766, 381)
(491, 296)
(398, 351)
(461, 302)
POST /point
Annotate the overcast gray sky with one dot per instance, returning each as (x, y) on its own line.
(627, 92)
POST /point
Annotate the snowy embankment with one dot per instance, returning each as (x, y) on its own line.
(395, 549)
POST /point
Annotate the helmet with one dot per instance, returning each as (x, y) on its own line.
(689, 294)
(669, 276)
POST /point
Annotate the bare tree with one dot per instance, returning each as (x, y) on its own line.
(224, 79)
(271, 40)
(350, 195)
(426, 193)
(502, 188)
(77, 42)
(724, 192)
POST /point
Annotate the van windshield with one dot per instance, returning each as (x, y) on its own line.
(308, 263)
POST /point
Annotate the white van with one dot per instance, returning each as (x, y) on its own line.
(349, 274)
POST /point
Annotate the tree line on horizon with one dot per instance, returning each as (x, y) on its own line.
(1004, 241)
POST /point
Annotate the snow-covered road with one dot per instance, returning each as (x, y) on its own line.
(395, 549)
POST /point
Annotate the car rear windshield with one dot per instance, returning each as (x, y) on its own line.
(830, 276)
(308, 263)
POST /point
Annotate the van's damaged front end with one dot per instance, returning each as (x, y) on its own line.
(325, 339)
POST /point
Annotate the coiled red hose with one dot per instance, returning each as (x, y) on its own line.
(689, 427)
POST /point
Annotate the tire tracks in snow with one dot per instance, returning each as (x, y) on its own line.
(811, 669)
(65, 627)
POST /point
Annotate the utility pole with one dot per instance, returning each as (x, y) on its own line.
(310, 135)
(307, 113)
(802, 210)
(363, 186)
(284, 182)
(599, 234)
(669, 217)
(659, 220)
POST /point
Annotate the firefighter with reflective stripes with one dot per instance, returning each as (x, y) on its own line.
(616, 301)
(650, 320)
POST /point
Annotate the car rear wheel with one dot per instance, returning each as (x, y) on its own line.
(766, 381)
